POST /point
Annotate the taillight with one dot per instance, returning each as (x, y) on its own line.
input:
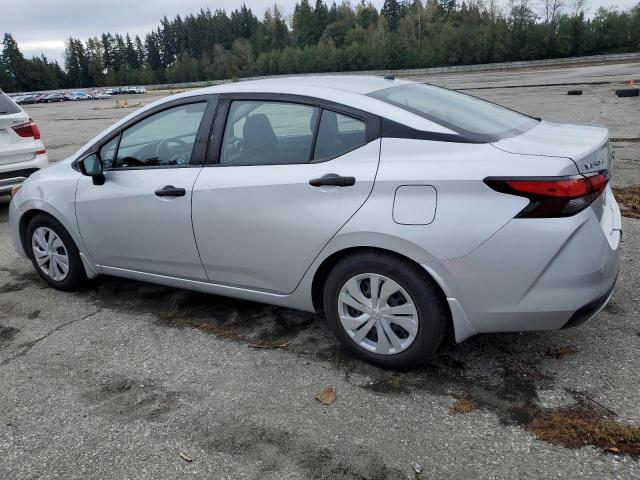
(553, 197)
(28, 130)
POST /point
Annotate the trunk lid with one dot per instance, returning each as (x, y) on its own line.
(587, 145)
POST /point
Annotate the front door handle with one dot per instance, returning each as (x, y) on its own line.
(171, 191)
(332, 179)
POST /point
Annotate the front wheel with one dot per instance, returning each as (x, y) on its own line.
(54, 254)
(384, 309)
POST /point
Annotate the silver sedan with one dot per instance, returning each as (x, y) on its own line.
(401, 210)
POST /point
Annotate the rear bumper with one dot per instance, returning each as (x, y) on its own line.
(535, 274)
(14, 174)
(590, 310)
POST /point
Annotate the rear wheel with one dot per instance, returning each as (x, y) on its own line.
(384, 309)
(54, 254)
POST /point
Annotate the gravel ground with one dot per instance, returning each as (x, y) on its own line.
(119, 380)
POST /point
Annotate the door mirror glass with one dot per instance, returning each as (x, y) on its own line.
(91, 166)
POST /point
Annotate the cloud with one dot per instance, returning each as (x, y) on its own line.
(42, 26)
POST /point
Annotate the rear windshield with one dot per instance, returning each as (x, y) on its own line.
(7, 107)
(469, 116)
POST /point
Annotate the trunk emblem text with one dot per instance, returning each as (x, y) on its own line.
(595, 163)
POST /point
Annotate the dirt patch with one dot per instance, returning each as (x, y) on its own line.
(277, 450)
(629, 200)
(7, 334)
(12, 287)
(391, 383)
(580, 425)
(560, 352)
(221, 316)
(501, 374)
(132, 399)
(19, 280)
(614, 308)
(461, 405)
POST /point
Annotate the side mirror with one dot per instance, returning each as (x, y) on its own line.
(91, 166)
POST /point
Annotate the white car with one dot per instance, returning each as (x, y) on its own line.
(402, 210)
(101, 96)
(81, 96)
(21, 149)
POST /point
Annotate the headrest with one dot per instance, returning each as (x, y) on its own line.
(258, 133)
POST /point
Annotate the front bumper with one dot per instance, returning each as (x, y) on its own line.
(14, 229)
(14, 174)
(535, 274)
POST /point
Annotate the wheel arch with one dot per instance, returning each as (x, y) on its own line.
(23, 224)
(325, 267)
(26, 218)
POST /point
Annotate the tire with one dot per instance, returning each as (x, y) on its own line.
(628, 92)
(431, 312)
(75, 277)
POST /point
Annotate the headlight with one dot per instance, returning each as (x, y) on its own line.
(15, 190)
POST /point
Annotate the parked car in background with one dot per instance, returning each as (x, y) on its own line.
(21, 149)
(101, 96)
(81, 95)
(401, 210)
(26, 100)
(109, 91)
(55, 97)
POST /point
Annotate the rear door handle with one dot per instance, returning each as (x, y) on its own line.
(332, 179)
(171, 191)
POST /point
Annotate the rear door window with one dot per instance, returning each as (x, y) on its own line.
(268, 133)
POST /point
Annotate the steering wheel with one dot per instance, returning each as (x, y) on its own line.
(129, 162)
(236, 144)
(164, 151)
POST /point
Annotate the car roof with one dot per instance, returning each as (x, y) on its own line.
(360, 84)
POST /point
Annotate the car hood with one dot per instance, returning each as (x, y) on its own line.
(587, 145)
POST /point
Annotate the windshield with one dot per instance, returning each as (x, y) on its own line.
(469, 116)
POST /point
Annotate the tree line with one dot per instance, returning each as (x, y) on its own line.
(321, 38)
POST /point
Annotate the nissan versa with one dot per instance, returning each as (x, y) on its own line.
(400, 209)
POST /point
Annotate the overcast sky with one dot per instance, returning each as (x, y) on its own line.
(41, 26)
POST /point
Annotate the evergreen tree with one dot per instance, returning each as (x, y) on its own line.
(304, 28)
(391, 12)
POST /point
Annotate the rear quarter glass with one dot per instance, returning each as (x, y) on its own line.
(7, 106)
(471, 117)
